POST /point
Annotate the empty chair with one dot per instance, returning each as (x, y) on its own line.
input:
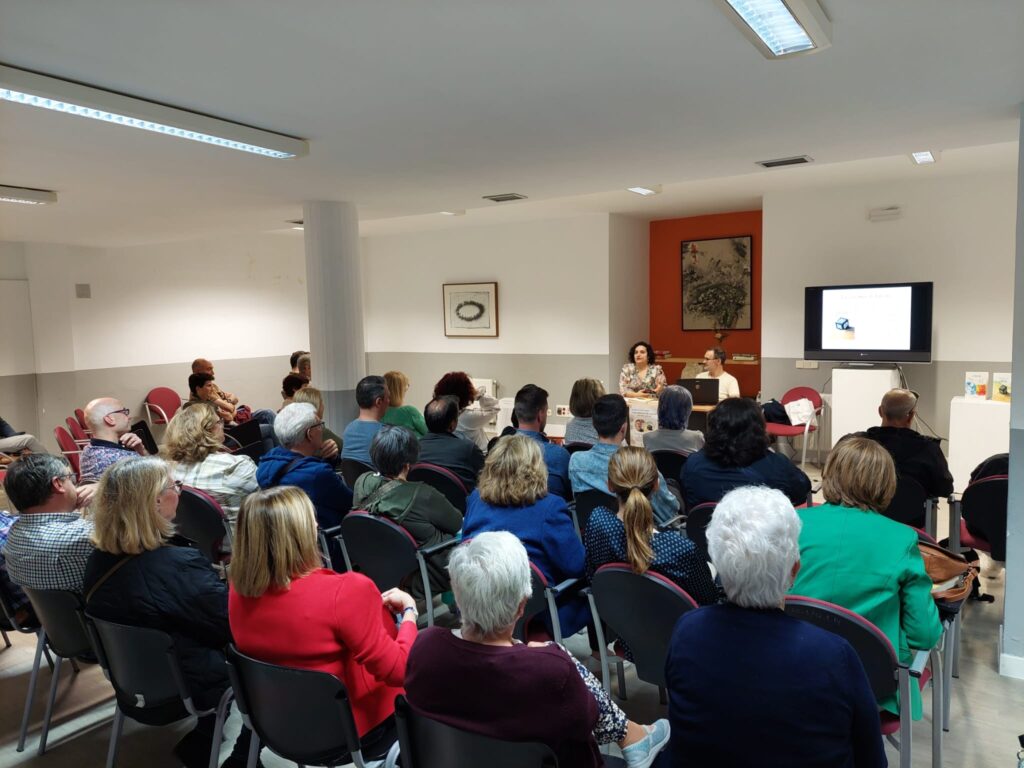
(80, 416)
(791, 431)
(910, 504)
(71, 450)
(543, 599)
(696, 524)
(161, 404)
(201, 520)
(443, 480)
(77, 433)
(351, 470)
(670, 464)
(588, 501)
(982, 511)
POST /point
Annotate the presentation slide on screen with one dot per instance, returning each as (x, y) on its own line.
(866, 318)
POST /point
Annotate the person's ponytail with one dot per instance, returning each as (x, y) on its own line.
(638, 519)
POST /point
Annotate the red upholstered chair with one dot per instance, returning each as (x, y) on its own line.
(201, 520)
(77, 433)
(802, 430)
(71, 450)
(443, 480)
(161, 404)
(80, 415)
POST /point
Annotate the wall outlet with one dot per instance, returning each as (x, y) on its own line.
(808, 364)
(562, 410)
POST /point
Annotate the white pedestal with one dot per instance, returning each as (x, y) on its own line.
(856, 395)
(977, 430)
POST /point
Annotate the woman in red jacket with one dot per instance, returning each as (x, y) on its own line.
(286, 609)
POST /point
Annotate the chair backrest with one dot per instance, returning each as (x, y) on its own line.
(983, 506)
(642, 609)
(302, 715)
(378, 548)
(69, 448)
(443, 480)
(907, 505)
(201, 520)
(75, 429)
(872, 646)
(60, 611)
(588, 501)
(798, 393)
(696, 525)
(428, 743)
(145, 434)
(80, 415)
(351, 470)
(536, 605)
(167, 400)
(670, 463)
(573, 447)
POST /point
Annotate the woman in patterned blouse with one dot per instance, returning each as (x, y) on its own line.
(641, 376)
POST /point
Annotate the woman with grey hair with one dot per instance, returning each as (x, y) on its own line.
(744, 667)
(419, 508)
(674, 408)
(508, 690)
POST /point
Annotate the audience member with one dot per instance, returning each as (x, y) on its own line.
(304, 366)
(291, 384)
(372, 399)
(442, 447)
(531, 410)
(296, 461)
(512, 495)
(471, 420)
(347, 626)
(714, 368)
(203, 389)
(888, 584)
(736, 453)
(422, 510)
(49, 544)
(136, 577)
(331, 450)
(397, 413)
(263, 416)
(112, 439)
(202, 365)
(15, 597)
(915, 455)
(510, 691)
(194, 443)
(641, 376)
(744, 676)
(13, 443)
(580, 429)
(674, 408)
(294, 360)
(628, 533)
(588, 470)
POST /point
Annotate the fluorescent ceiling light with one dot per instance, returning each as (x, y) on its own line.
(26, 195)
(781, 28)
(923, 158)
(300, 229)
(460, 212)
(646, 191)
(23, 87)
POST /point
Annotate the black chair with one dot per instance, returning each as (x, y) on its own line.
(246, 439)
(909, 504)
(142, 664)
(670, 464)
(982, 508)
(587, 502)
(573, 447)
(696, 526)
(387, 553)
(543, 598)
(352, 470)
(301, 715)
(329, 541)
(642, 609)
(59, 612)
(886, 674)
(201, 520)
(443, 480)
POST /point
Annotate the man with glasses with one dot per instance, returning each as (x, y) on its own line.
(112, 438)
(50, 542)
(714, 368)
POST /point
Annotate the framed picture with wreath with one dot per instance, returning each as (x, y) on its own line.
(470, 309)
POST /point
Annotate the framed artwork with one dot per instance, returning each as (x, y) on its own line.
(716, 277)
(470, 309)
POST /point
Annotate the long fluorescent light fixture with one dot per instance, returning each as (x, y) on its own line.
(781, 28)
(26, 195)
(35, 90)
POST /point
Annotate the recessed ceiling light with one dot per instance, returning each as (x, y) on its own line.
(646, 191)
(299, 228)
(27, 195)
(32, 89)
(922, 158)
(780, 28)
(459, 212)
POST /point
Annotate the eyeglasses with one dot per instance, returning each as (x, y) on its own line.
(174, 485)
(125, 411)
(318, 424)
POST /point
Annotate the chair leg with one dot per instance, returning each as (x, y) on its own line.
(947, 672)
(49, 658)
(427, 596)
(31, 695)
(662, 695)
(556, 625)
(957, 633)
(905, 719)
(54, 681)
(218, 727)
(115, 736)
(254, 751)
(7, 640)
(602, 643)
(938, 710)
(620, 676)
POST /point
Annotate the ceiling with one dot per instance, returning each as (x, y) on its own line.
(413, 107)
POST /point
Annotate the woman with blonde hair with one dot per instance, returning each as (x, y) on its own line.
(137, 577)
(194, 444)
(347, 627)
(852, 555)
(512, 495)
(580, 429)
(398, 414)
(330, 450)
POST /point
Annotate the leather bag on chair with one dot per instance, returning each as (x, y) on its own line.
(951, 570)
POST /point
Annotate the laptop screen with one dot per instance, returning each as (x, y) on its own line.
(703, 391)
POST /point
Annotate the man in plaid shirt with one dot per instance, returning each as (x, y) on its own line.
(48, 545)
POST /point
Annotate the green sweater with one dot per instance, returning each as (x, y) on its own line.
(406, 416)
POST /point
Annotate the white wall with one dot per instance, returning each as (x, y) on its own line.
(552, 287)
(629, 318)
(17, 352)
(957, 232)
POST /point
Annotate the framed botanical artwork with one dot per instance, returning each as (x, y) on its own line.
(716, 277)
(470, 309)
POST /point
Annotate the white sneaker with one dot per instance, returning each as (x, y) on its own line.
(642, 753)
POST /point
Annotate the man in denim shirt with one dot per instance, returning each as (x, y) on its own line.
(531, 409)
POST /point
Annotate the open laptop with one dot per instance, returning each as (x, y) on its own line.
(703, 391)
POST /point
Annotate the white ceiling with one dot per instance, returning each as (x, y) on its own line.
(412, 107)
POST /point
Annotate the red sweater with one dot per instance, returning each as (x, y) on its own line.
(330, 622)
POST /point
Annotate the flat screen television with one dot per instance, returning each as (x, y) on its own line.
(879, 322)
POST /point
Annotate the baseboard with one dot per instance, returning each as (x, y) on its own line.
(1011, 666)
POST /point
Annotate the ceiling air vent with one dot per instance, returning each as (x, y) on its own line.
(506, 198)
(784, 161)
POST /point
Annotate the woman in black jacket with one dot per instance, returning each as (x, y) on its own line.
(136, 577)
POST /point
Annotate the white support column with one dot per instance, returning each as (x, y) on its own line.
(335, 296)
(1011, 660)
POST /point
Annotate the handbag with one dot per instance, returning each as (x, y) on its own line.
(952, 576)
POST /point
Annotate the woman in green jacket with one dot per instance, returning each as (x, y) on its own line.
(398, 414)
(855, 557)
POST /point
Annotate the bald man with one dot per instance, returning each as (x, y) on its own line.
(202, 365)
(914, 454)
(112, 438)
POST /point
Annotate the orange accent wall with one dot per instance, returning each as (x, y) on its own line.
(666, 293)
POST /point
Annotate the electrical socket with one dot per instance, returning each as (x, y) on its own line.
(807, 364)
(562, 410)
